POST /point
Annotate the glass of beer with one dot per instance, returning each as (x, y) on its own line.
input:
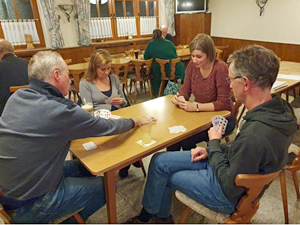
(145, 124)
(89, 108)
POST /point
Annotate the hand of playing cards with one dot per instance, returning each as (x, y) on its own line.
(217, 121)
(114, 100)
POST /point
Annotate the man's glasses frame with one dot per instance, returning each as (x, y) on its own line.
(230, 79)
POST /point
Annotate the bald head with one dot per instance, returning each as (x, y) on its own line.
(5, 47)
(164, 30)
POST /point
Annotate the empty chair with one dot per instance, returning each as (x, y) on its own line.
(220, 52)
(68, 61)
(120, 69)
(87, 59)
(247, 206)
(162, 63)
(141, 66)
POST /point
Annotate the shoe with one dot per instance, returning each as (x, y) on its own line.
(135, 220)
(158, 220)
(124, 172)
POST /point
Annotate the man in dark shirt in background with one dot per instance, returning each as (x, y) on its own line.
(13, 71)
(165, 34)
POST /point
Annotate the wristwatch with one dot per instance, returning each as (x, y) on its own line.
(197, 109)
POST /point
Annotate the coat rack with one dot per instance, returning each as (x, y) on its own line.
(67, 10)
(261, 4)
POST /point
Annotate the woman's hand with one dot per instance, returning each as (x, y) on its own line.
(116, 101)
(175, 99)
(198, 153)
(187, 106)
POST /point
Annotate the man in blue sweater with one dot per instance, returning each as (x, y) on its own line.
(36, 130)
(261, 147)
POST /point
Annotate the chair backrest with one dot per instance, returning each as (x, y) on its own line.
(249, 203)
(87, 59)
(116, 67)
(13, 89)
(3, 215)
(68, 61)
(141, 64)
(162, 63)
(220, 52)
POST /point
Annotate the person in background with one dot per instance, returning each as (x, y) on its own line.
(261, 147)
(206, 80)
(162, 49)
(165, 34)
(13, 71)
(98, 85)
(37, 127)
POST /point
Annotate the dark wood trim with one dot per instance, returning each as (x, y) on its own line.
(287, 52)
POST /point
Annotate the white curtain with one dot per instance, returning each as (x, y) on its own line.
(100, 27)
(125, 25)
(14, 31)
(148, 24)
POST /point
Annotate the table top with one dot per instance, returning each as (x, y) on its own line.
(287, 67)
(114, 151)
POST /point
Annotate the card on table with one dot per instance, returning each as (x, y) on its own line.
(217, 121)
(103, 113)
(89, 146)
(177, 129)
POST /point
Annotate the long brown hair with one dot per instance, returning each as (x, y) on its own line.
(99, 58)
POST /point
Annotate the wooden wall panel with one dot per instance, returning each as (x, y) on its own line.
(187, 26)
(287, 52)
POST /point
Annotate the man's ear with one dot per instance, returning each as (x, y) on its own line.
(56, 75)
(247, 83)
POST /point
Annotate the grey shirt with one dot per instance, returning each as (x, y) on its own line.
(36, 130)
(89, 91)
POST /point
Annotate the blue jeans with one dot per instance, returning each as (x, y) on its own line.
(191, 142)
(77, 190)
(169, 171)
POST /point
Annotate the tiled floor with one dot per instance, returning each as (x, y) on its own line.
(130, 192)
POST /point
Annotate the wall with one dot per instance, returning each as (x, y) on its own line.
(240, 19)
(67, 28)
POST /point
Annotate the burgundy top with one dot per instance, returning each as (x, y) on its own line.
(213, 88)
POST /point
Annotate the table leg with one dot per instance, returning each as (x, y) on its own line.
(110, 193)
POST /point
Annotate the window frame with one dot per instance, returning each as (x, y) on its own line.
(38, 24)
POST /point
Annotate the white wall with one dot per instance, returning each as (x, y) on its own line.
(67, 28)
(240, 19)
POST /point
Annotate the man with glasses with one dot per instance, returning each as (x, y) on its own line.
(207, 174)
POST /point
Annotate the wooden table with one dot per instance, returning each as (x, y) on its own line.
(184, 53)
(118, 151)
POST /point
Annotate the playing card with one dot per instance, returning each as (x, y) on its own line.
(181, 98)
(89, 146)
(102, 113)
(217, 121)
(177, 129)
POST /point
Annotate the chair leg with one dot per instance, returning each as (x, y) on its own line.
(142, 167)
(150, 88)
(160, 88)
(284, 196)
(184, 215)
(294, 174)
(74, 93)
(128, 95)
(287, 96)
(135, 91)
(79, 218)
(242, 112)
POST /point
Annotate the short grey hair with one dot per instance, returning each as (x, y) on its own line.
(6, 46)
(43, 63)
(259, 64)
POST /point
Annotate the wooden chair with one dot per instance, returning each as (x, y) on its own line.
(68, 61)
(247, 206)
(235, 113)
(294, 167)
(13, 89)
(138, 66)
(220, 52)
(7, 219)
(87, 59)
(116, 67)
(162, 63)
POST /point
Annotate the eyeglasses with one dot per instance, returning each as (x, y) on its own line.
(230, 79)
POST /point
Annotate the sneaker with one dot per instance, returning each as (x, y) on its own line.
(135, 220)
(158, 220)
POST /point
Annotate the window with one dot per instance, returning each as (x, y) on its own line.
(117, 19)
(20, 17)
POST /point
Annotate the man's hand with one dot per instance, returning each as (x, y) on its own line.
(198, 153)
(215, 134)
(143, 120)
